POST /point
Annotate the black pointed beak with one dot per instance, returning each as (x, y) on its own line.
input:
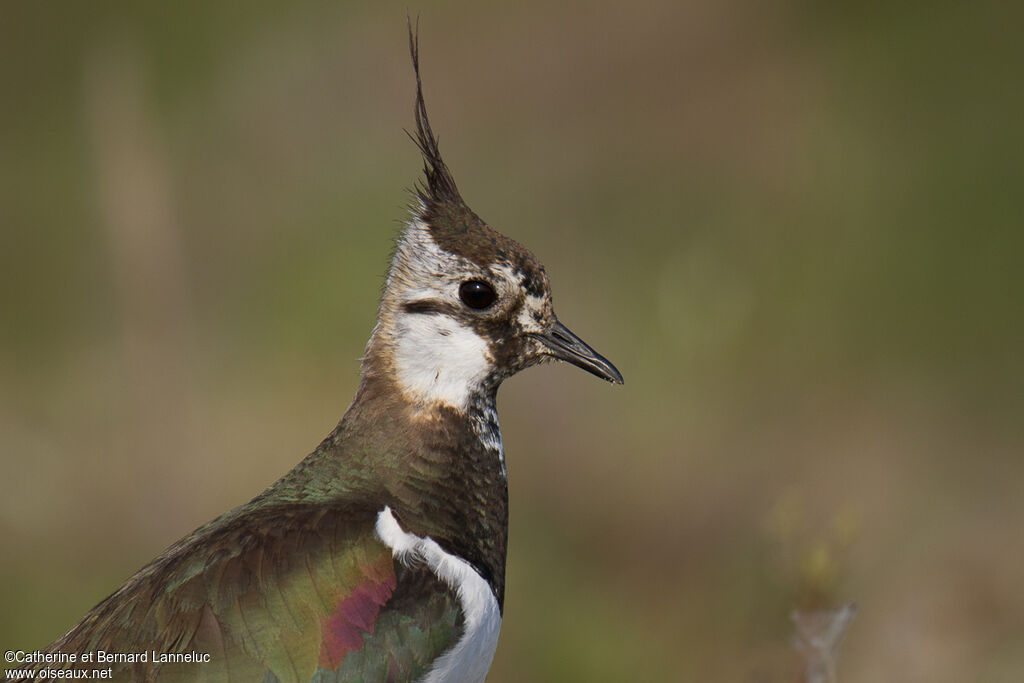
(562, 344)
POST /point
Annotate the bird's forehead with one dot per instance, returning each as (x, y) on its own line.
(529, 272)
(524, 275)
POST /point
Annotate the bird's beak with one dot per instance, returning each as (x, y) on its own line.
(562, 344)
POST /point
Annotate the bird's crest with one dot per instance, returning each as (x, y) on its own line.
(440, 186)
(451, 223)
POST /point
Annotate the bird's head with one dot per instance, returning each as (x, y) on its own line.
(464, 306)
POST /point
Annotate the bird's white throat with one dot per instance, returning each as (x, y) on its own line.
(438, 360)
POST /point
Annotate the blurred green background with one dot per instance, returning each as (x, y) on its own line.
(795, 227)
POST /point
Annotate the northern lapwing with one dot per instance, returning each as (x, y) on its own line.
(381, 555)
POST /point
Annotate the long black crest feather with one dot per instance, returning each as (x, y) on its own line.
(440, 184)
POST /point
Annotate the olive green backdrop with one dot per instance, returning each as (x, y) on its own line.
(794, 226)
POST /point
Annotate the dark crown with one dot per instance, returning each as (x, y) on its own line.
(453, 225)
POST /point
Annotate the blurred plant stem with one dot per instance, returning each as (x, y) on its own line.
(818, 636)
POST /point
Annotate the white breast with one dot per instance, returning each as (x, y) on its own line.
(469, 659)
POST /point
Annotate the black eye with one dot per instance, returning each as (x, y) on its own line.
(477, 294)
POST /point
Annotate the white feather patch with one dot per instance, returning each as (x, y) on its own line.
(437, 360)
(469, 660)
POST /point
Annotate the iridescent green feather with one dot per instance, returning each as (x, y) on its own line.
(265, 600)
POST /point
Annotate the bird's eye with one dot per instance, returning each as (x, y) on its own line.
(477, 294)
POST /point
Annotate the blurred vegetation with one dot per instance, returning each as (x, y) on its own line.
(795, 227)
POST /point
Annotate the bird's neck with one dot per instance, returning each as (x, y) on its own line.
(440, 468)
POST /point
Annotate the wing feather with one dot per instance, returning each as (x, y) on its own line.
(286, 594)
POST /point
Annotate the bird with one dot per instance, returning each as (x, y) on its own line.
(381, 555)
